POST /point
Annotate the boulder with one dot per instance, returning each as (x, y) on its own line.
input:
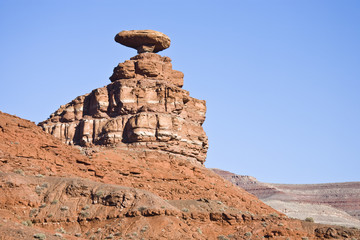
(143, 40)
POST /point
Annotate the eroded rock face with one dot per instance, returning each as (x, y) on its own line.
(148, 66)
(144, 106)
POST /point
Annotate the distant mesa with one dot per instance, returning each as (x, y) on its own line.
(143, 40)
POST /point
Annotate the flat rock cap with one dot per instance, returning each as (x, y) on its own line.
(143, 40)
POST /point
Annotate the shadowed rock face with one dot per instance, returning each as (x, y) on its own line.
(144, 106)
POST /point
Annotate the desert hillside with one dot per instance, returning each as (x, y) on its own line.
(54, 190)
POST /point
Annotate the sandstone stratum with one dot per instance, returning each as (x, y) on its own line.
(126, 162)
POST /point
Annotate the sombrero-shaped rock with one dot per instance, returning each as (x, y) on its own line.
(143, 40)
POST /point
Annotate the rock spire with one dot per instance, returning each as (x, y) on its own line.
(144, 107)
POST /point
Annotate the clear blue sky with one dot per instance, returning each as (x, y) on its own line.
(281, 78)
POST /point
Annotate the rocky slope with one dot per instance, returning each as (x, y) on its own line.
(125, 162)
(335, 203)
(53, 189)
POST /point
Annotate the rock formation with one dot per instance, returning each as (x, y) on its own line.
(144, 106)
(138, 176)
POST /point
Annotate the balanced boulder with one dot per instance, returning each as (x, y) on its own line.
(143, 40)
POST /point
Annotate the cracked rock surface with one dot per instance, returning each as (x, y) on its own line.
(144, 106)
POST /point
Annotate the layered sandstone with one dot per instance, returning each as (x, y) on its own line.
(27, 150)
(144, 107)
